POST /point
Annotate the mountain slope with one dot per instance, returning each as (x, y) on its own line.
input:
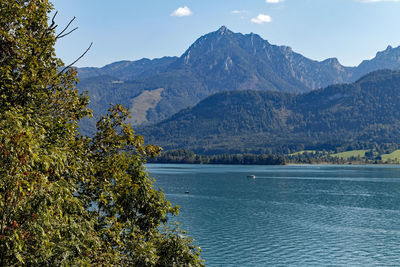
(256, 121)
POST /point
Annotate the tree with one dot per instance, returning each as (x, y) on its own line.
(66, 199)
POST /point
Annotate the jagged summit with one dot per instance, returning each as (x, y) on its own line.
(224, 30)
(389, 49)
(332, 60)
(386, 59)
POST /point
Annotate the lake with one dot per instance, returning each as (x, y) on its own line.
(289, 215)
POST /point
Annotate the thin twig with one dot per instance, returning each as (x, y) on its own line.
(66, 28)
(53, 20)
(79, 58)
(71, 31)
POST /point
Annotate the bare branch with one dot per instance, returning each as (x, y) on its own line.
(66, 28)
(53, 20)
(79, 58)
(71, 31)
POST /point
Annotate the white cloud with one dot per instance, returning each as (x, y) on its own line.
(261, 18)
(274, 1)
(240, 11)
(182, 12)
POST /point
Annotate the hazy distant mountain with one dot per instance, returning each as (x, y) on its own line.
(128, 70)
(388, 59)
(216, 62)
(366, 111)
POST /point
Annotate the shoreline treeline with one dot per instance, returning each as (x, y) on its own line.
(189, 157)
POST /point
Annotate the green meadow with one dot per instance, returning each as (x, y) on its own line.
(303, 152)
(393, 157)
(349, 154)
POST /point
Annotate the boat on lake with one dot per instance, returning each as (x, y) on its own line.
(251, 176)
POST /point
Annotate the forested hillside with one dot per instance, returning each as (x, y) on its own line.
(363, 112)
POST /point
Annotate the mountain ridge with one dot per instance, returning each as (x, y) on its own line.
(221, 61)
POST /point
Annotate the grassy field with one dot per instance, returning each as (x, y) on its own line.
(348, 154)
(302, 152)
(394, 156)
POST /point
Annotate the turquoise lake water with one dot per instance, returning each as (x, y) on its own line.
(289, 215)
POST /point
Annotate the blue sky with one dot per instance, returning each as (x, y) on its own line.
(351, 30)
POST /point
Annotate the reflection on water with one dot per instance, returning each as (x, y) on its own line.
(288, 215)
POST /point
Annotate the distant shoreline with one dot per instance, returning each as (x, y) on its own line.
(306, 157)
(288, 164)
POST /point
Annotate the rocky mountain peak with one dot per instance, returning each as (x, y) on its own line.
(389, 51)
(223, 30)
(332, 61)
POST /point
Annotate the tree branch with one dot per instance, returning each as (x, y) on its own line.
(71, 31)
(53, 21)
(65, 29)
(79, 58)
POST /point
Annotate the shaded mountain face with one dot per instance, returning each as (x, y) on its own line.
(216, 62)
(261, 122)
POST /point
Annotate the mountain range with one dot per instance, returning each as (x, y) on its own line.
(220, 61)
(353, 114)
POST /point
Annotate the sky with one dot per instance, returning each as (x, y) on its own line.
(351, 30)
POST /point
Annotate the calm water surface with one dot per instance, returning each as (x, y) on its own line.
(288, 215)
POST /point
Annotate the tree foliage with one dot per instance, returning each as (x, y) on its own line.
(67, 199)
